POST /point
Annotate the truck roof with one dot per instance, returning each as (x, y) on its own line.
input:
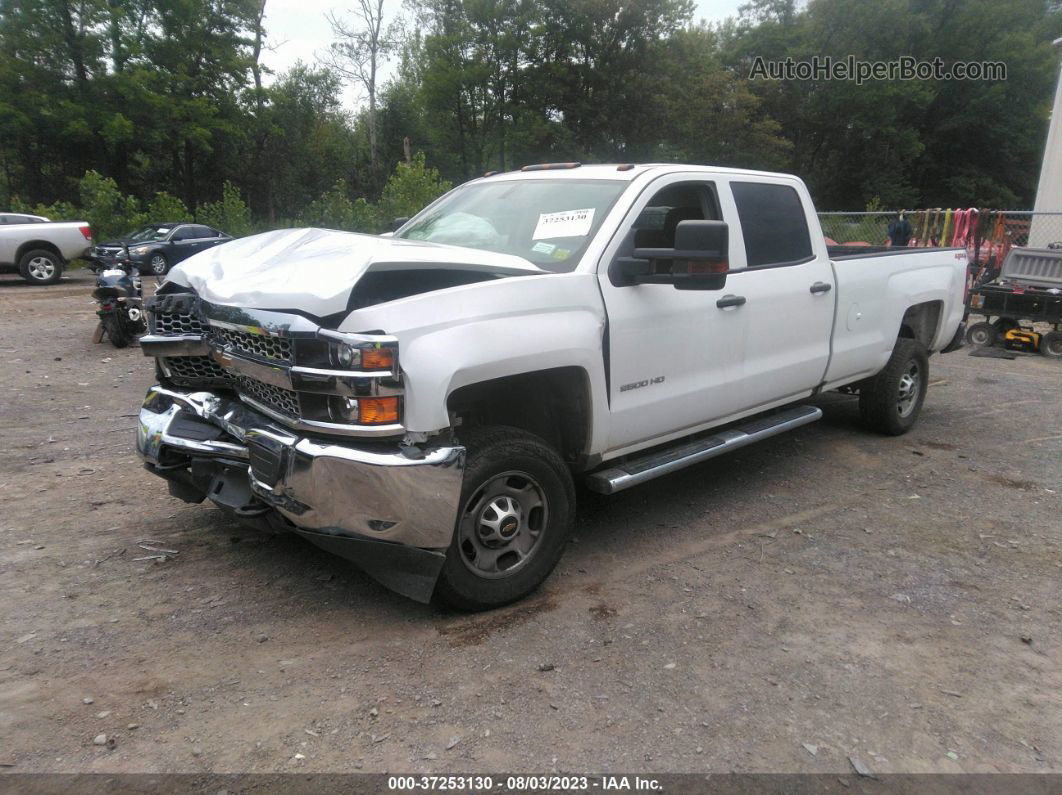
(617, 171)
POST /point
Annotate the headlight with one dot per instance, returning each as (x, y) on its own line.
(350, 357)
(347, 356)
(138, 250)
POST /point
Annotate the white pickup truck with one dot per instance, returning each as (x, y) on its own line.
(39, 250)
(423, 404)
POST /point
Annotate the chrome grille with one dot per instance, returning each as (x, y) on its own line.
(283, 400)
(177, 324)
(276, 349)
(195, 370)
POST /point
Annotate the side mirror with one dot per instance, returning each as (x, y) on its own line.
(398, 223)
(699, 260)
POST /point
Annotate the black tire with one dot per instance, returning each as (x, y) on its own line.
(40, 266)
(890, 402)
(982, 335)
(1051, 345)
(117, 331)
(503, 464)
(157, 264)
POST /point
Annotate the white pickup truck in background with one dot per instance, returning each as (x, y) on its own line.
(422, 404)
(39, 250)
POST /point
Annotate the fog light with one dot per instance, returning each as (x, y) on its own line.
(364, 411)
(343, 409)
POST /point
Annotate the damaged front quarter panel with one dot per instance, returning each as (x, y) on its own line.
(478, 332)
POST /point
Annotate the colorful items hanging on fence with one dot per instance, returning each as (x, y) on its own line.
(987, 235)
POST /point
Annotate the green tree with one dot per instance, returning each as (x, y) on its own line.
(230, 214)
(331, 210)
(166, 207)
(109, 212)
(411, 188)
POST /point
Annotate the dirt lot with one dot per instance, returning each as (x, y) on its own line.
(826, 594)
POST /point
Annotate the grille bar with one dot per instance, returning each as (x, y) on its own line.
(277, 398)
(277, 349)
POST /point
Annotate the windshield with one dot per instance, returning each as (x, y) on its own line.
(151, 233)
(549, 222)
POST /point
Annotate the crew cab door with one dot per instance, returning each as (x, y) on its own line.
(673, 357)
(788, 287)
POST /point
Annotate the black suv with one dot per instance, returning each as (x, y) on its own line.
(155, 248)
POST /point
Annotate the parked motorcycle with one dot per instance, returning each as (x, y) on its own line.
(119, 301)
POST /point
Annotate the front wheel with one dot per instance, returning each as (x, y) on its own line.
(157, 264)
(517, 505)
(117, 331)
(982, 335)
(891, 401)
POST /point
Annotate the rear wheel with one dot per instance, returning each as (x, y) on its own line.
(517, 505)
(981, 335)
(1051, 344)
(40, 267)
(891, 401)
(117, 331)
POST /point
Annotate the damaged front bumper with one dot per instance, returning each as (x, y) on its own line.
(390, 509)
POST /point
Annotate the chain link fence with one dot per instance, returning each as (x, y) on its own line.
(986, 234)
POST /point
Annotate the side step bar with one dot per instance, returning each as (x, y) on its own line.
(662, 462)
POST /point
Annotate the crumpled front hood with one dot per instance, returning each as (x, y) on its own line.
(314, 270)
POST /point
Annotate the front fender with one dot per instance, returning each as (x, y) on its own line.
(465, 335)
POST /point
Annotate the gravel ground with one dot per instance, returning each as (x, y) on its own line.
(824, 595)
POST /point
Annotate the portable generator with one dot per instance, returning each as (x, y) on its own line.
(1021, 339)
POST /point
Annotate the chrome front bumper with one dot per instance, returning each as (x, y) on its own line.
(340, 489)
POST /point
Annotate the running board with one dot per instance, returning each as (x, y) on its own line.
(662, 462)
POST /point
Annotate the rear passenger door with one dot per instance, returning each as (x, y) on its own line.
(789, 289)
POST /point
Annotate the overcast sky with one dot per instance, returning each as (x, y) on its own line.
(298, 29)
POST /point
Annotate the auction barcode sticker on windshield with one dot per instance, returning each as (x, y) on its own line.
(568, 223)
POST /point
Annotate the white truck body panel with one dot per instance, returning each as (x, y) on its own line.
(714, 365)
(64, 236)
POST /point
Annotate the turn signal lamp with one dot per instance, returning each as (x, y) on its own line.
(377, 359)
(378, 411)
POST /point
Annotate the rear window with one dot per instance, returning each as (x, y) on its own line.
(773, 224)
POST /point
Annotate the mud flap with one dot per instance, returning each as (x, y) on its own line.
(409, 571)
(958, 340)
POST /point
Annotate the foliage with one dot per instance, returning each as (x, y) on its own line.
(410, 189)
(230, 214)
(109, 212)
(165, 207)
(110, 104)
(331, 210)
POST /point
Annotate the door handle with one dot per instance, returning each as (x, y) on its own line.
(821, 287)
(730, 300)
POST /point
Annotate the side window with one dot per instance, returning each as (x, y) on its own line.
(773, 223)
(656, 224)
(182, 233)
(199, 232)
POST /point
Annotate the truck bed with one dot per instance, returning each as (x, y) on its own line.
(841, 252)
